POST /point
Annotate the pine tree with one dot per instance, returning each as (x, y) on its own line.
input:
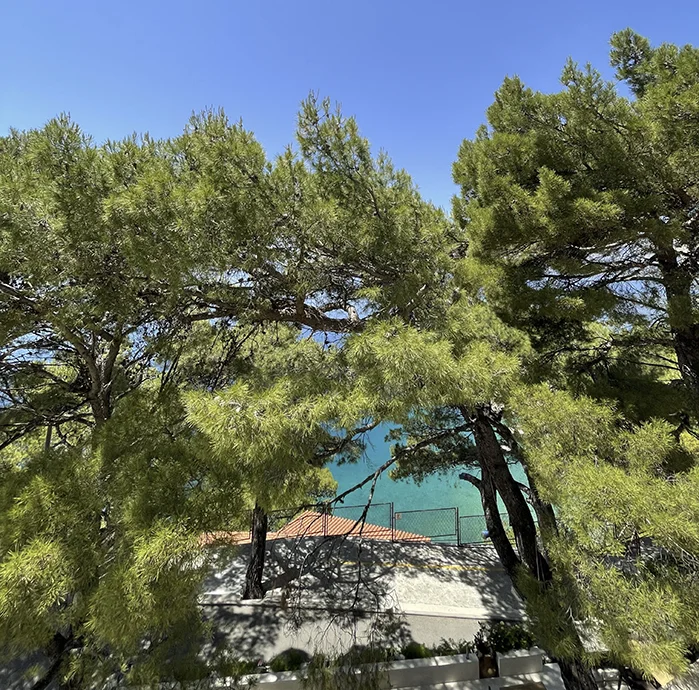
(123, 265)
(584, 203)
(579, 212)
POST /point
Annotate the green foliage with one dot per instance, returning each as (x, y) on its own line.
(265, 442)
(502, 637)
(188, 328)
(360, 654)
(630, 54)
(289, 660)
(158, 378)
(415, 650)
(328, 673)
(579, 208)
(580, 205)
(451, 647)
(622, 502)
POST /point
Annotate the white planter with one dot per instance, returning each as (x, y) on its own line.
(411, 672)
(284, 680)
(438, 669)
(520, 661)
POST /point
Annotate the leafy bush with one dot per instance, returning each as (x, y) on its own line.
(289, 660)
(363, 654)
(502, 636)
(226, 665)
(244, 667)
(451, 647)
(415, 650)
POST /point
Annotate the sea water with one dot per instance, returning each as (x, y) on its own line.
(444, 490)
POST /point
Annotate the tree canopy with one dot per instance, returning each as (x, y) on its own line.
(579, 209)
(584, 202)
(191, 330)
(157, 298)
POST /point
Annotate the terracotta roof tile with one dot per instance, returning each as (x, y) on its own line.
(310, 524)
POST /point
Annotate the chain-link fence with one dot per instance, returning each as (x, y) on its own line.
(438, 524)
(473, 530)
(382, 521)
(379, 514)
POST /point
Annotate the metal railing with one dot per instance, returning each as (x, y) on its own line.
(379, 514)
(438, 524)
(382, 521)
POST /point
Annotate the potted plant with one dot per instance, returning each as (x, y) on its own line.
(485, 652)
(450, 647)
(504, 636)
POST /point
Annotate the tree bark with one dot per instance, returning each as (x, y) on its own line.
(544, 511)
(491, 456)
(256, 565)
(677, 281)
(686, 341)
(496, 476)
(576, 675)
(56, 653)
(496, 531)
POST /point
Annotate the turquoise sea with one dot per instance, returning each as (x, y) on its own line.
(439, 491)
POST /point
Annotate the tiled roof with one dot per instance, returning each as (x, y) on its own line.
(310, 524)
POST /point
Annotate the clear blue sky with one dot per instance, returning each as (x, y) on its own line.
(417, 75)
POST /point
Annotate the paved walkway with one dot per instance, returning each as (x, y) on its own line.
(419, 579)
(265, 631)
(320, 593)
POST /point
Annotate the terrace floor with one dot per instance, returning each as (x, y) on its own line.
(321, 592)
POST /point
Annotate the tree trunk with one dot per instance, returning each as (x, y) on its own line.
(677, 281)
(576, 675)
(256, 565)
(686, 341)
(496, 476)
(491, 457)
(51, 673)
(56, 653)
(496, 531)
(544, 511)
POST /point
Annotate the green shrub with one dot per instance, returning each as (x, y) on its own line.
(289, 660)
(502, 636)
(363, 654)
(451, 647)
(415, 650)
(326, 673)
(232, 667)
(245, 667)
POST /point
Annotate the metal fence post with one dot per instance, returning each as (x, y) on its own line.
(393, 523)
(458, 527)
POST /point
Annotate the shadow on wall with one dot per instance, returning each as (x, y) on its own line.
(323, 594)
(330, 588)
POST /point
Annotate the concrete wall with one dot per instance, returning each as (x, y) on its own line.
(520, 661)
(411, 672)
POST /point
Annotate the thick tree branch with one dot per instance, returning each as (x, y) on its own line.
(467, 477)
